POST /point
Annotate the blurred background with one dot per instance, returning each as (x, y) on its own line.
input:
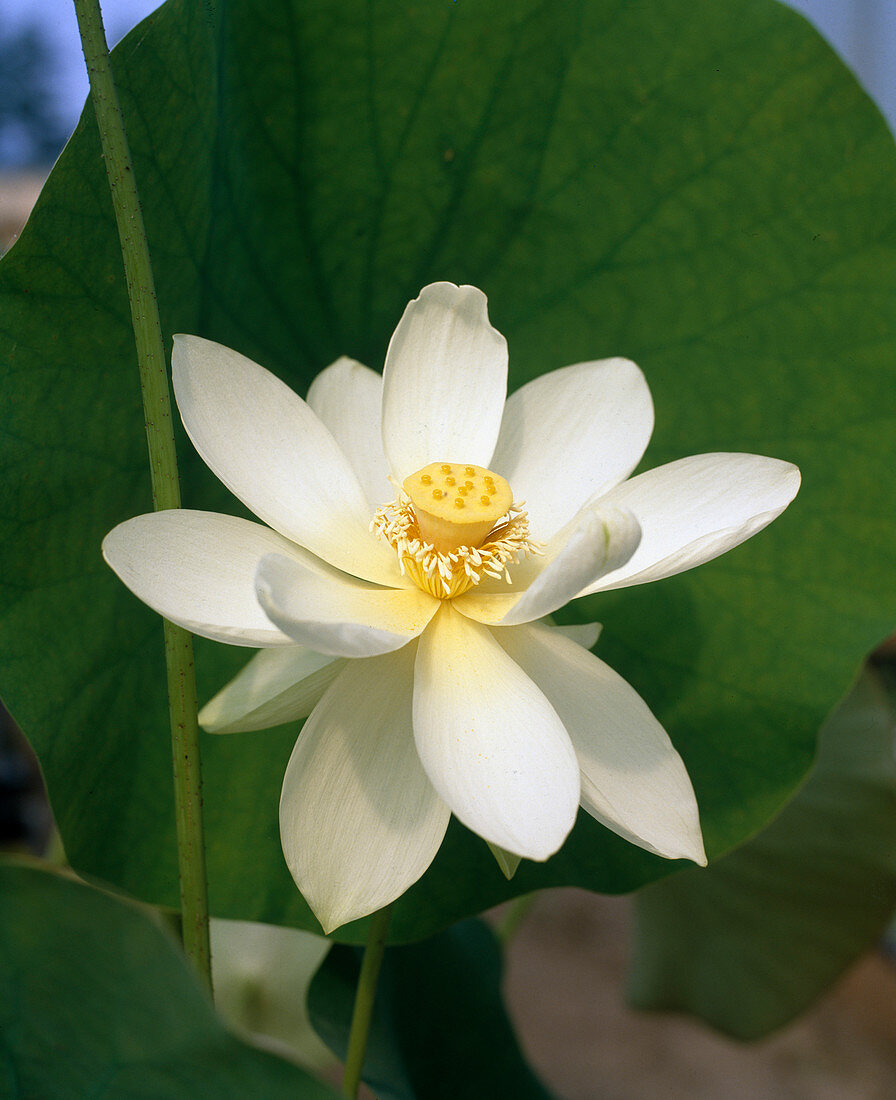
(567, 963)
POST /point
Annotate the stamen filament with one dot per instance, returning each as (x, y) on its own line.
(449, 573)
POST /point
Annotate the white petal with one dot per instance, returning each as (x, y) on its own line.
(633, 780)
(490, 741)
(571, 434)
(276, 686)
(359, 820)
(336, 614)
(597, 541)
(348, 398)
(694, 509)
(198, 570)
(444, 381)
(273, 453)
(583, 634)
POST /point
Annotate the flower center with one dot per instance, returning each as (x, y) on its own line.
(457, 505)
(454, 525)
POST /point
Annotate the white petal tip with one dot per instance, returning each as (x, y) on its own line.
(795, 478)
(185, 342)
(332, 907)
(334, 913)
(698, 856)
(450, 293)
(459, 299)
(687, 847)
(687, 841)
(211, 720)
(329, 924)
(207, 720)
(332, 922)
(537, 847)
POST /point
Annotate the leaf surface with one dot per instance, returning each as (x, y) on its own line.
(439, 1028)
(750, 942)
(96, 1000)
(701, 187)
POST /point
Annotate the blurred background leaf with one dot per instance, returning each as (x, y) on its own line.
(95, 999)
(750, 942)
(439, 1028)
(701, 187)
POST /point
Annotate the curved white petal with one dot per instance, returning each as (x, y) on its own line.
(597, 541)
(275, 455)
(276, 686)
(633, 780)
(694, 509)
(359, 820)
(571, 434)
(490, 741)
(198, 570)
(444, 381)
(348, 398)
(335, 614)
(583, 634)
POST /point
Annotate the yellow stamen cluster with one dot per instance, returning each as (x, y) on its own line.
(447, 547)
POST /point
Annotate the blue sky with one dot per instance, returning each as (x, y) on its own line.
(863, 32)
(56, 19)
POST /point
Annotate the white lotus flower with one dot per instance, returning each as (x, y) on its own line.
(400, 590)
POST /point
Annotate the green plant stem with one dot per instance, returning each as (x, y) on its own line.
(516, 914)
(163, 471)
(364, 997)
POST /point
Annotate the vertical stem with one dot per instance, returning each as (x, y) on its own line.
(364, 997)
(187, 770)
(163, 472)
(516, 914)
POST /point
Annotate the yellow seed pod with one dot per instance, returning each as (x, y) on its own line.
(465, 515)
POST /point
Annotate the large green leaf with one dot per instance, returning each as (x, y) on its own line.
(699, 186)
(95, 1000)
(439, 1028)
(750, 942)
